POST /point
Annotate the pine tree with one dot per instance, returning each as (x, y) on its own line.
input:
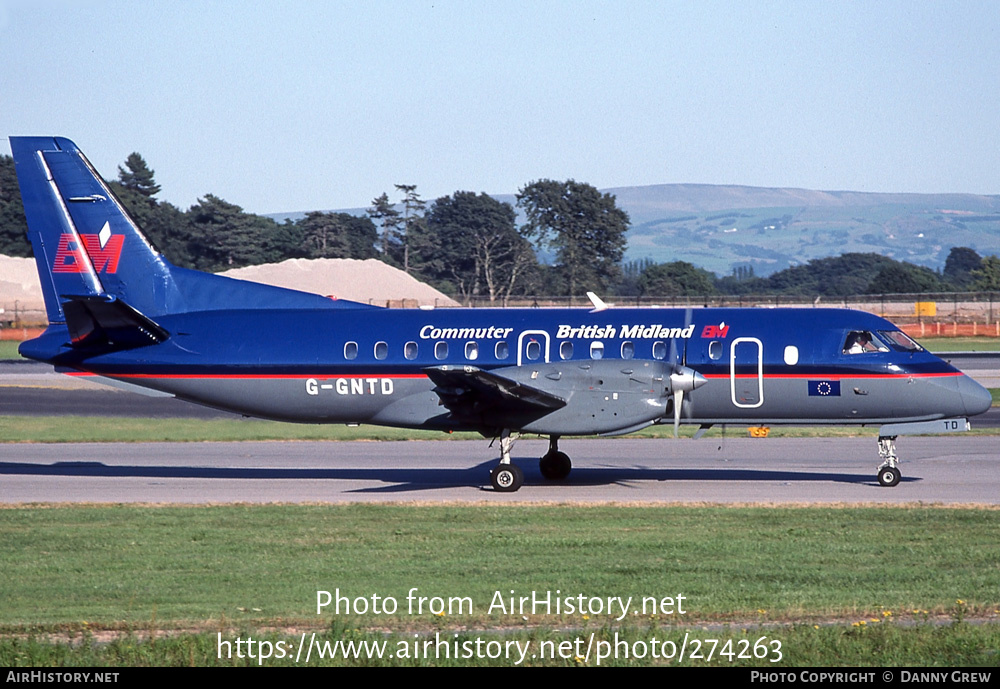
(138, 177)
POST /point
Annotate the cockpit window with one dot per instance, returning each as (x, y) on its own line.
(900, 341)
(863, 342)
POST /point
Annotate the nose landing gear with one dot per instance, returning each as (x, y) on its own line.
(888, 471)
(506, 477)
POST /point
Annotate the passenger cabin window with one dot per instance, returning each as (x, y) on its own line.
(351, 350)
(715, 350)
(381, 350)
(791, 355)
(596, 350)
(501, 351)
(471, 351)
(441, 350)
(566, 350)
(628, 350)
(659, 350)
(410, 350)
(862, 342)
(533, 350)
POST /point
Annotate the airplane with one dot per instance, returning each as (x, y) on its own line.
(120, 310)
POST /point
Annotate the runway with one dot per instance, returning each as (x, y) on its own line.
(946, 470)
(950, 469)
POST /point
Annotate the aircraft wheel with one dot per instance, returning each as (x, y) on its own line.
(888, 476)
(506, 478)
(555, 466)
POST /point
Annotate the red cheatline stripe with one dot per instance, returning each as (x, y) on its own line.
(241, 376)
(836, 376)
(297, 376)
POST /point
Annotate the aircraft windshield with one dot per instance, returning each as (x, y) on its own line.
(900, 341)
(863, 342)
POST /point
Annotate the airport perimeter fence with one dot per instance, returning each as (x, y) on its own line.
(922, 314)
(943, 314)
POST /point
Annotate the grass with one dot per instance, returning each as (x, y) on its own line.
(875, 644)
(74, 572)
(111, 429)
(961, 344)
(8, 350)
(87, 429)
(119, 564)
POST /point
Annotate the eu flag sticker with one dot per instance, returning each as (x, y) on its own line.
(824, 388)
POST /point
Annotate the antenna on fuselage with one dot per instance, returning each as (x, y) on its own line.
(598, 303)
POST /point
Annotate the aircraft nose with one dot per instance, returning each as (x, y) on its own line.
(975, 397)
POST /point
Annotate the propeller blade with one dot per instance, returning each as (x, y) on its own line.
(687, 322)
(678, 401)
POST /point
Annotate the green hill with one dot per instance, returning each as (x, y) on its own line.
(721, 227)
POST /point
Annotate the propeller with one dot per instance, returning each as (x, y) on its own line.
(682, 379)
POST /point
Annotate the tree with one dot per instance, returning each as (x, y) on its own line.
(337, 235)
(13, 226)
(413, 218)
(471, 243)
(387, 217)
(137, 176)
(987, 277)
(677, 279)
(165, 225)
(631, 271)
(225, 237)
(836, 276)
(584, 226)
(904, 278)
(959, 265)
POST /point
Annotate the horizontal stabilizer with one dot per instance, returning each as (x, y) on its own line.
(467, 389)
(104, 321)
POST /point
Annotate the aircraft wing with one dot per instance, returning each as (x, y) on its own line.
(470, 392)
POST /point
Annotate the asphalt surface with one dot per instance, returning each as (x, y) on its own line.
(947, 469)
(956, 469)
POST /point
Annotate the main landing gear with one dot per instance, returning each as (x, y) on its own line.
(507, 477)
(555, 465)
(888, 471)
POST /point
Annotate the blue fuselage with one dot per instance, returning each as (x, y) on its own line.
(370, 365)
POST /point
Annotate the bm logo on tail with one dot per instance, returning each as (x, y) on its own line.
(103, 249)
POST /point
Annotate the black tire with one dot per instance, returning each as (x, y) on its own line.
(888, 476)
(555, 466)
(506, 478)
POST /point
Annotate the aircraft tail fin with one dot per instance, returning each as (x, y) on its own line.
(97, 269)
(85, 243)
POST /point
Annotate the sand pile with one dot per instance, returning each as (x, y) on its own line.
(370, 282)
(19, 285)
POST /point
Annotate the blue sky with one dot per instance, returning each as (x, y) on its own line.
(286, 106)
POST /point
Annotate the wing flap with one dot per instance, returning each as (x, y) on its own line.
(469, 391)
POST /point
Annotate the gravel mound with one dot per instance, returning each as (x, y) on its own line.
(369, 281)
